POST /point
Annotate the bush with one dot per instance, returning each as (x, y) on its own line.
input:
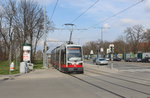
(38, 64)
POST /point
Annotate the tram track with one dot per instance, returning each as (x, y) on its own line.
(97, 86)
(122, 86)
(131, 76)
(108, 84)
(116, 93)
(115, 76)
(118, 84)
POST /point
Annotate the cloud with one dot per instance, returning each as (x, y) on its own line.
(53, 40)
(147, 3)
(128, 21)
(106, 25)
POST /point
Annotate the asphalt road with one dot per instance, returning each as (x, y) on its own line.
(96, 82)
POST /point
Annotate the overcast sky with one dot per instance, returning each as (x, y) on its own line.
(68, 10)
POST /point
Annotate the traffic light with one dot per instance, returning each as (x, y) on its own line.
(112, 49)
(47, 48)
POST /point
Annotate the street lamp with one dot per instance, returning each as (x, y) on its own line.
(102, 28)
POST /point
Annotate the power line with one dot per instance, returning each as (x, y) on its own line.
(71, 30)
(120, 12)
(54, 9)
(85, 11)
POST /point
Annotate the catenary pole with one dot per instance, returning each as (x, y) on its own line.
(44, 50)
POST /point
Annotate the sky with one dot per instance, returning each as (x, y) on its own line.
(91, 22)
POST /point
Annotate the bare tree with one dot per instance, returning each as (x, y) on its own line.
(2, 46)
(30, 23)
(95, 46)
(89, 46)
(120, 45)
(134, 36)
(145, 46)
(21, 23)
(8, 20)
(39, 55)
(147, 35)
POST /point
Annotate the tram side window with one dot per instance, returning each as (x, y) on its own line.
(57, 55)
(63, 56)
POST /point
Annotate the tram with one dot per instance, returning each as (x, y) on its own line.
(68, 58)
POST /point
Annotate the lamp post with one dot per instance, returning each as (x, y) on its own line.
(102, 49)
(102, 28)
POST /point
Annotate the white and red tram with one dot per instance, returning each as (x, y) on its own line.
(68, 58)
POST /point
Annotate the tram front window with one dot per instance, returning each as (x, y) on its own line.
(74, 54)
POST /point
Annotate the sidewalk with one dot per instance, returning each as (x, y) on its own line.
(36, 74)
(4, 77)
(41, 74)
(7, 77)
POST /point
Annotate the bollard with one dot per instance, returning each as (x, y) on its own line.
(12, 66)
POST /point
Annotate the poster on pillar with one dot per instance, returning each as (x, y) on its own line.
(26, 53)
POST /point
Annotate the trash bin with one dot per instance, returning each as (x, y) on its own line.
(30, 66)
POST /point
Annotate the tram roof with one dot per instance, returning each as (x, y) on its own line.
(66, 44)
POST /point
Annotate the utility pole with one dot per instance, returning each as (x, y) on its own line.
(101, 28)
(44, 50)
(111, 47)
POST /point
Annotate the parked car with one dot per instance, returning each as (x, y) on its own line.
(146, 59)
(116, 59)
(130, 60)
(101, 61)
(139, 60)
(133, 60)
(107, 59)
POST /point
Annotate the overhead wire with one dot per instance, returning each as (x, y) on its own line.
(120, 12)
(84, 11)
(54, 9)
